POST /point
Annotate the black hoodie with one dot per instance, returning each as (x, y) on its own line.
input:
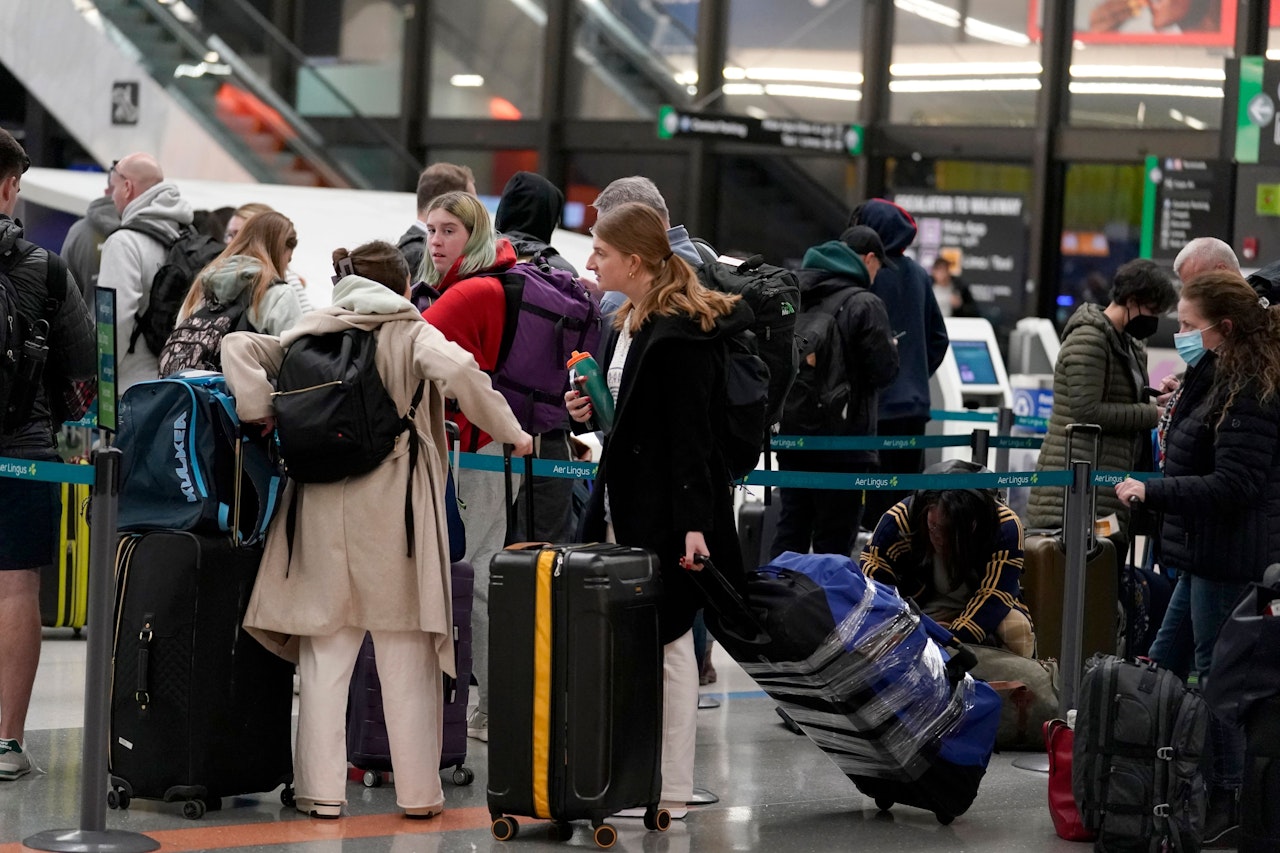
(528, 213)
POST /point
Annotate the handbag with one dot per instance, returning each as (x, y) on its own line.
(1246, 664)
(1059, 740)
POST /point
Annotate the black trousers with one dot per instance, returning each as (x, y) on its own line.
(825, 520)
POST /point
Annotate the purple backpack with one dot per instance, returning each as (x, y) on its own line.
(549, 315)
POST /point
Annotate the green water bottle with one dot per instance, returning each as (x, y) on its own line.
(581, 364)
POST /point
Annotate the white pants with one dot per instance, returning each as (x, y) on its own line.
(679, 718)
(413, 701)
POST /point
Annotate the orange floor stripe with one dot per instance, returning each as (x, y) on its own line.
(302, 831)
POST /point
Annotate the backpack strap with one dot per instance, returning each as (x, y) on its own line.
(413, 462)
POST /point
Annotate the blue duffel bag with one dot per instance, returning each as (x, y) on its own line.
(188, 465)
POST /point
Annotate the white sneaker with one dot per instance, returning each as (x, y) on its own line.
(478, 725)
(14, 760)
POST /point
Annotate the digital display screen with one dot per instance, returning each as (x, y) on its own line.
(973, 359)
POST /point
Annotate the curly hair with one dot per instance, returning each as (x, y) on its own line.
(1250, 351)
(634, 228)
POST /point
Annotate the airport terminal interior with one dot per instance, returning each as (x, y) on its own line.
(1038, 144)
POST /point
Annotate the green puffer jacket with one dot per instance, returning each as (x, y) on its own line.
(1094, 384)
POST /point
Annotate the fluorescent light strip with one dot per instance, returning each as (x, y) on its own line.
(1012, 84)
(1146, 89)
(1189, 121)
(794, 75)
(962, 69)
(792, 90)
(1148, 72)
(466, 81)
(935, 12)
(991, 32)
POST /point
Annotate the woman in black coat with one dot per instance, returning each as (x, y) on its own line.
(662, 483)
(1220, 493)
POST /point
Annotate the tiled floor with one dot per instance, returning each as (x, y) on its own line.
(777, 792)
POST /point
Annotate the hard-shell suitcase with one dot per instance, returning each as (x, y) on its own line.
(1259, 816)
(864, 675)
(199, 709)
(757, 525)
(580, 687)
(64, 586)
(1044, 583)
(368, 748)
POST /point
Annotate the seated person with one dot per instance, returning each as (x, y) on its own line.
(958, 554)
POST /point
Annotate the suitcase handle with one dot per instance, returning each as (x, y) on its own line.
(721, 595)
(507, 450)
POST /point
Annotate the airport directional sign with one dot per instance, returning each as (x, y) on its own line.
(777, 132)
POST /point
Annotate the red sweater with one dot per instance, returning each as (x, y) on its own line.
(472, 312)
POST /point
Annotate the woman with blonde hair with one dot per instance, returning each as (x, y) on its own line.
(1220, 493)
(243, 214)
(662, 483)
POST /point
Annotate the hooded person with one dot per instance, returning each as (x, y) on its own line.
(907, 291)
(834, 281)
(82, 249)
(528, 213)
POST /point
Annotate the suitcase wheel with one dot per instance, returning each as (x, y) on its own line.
(561, 830)
(118, 798)
(463, 775)
(505, 828)
(193, 809)
(372, 779)
(659, 819)
(884, 803)
(287, 798)
(944, 819)
(605, 836)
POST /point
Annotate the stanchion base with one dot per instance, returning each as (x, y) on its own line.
(1035, 762)
(86, 841)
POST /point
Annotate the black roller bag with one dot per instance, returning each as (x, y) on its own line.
(199, 709)
(580, 687)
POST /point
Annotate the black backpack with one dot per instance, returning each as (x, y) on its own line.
(819, 399)
(196, 342)
(24, 347)
(334, 417)
(184, 257)
(745, 427)
(773, 295)
(1138, 757)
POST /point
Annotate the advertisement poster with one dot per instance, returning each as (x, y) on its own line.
(983, 236)
(1208, 23)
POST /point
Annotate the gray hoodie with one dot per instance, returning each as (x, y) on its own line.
(82, 250)
(129, 261)
(235, 275)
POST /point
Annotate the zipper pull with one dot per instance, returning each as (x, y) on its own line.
(555, 572)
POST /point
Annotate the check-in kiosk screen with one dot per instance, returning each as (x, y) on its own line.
(973, 359)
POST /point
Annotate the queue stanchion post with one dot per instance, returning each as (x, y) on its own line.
(980, 445)
(1004, 426)
(92, 835)
(1077, 525)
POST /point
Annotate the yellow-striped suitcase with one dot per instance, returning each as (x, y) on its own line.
(64, 588)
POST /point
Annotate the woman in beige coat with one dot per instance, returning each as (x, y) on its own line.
(348, 571)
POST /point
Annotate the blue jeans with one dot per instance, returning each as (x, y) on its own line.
(1185, 644)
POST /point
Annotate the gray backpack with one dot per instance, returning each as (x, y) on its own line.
(1137, 761)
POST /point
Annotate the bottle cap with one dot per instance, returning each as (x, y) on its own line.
(577, 357)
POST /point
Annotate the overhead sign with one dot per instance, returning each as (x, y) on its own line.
(1179, 205)
(779, 132)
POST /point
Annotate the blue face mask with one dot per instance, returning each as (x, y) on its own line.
(1191, 345)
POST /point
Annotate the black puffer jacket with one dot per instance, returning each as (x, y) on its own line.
(72, 340)
(1220, 493)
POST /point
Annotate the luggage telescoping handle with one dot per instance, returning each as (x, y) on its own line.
(507, 450)
(454, 436)
(734, 616)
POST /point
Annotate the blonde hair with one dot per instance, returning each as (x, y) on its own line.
(265, 238)
(636, 229)
(480, 252)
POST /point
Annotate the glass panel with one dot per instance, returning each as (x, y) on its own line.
(590, 173)
(632, 56)
(795, 60)
(492, 169)
(486, 58)
(963, 62)
(1101, 229)
(1150, 65)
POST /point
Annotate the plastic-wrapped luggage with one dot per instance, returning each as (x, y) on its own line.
(865, 675)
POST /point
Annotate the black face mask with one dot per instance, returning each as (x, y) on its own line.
(1142, 326)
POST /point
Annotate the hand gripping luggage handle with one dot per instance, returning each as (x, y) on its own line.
(721, 595)
(507, 450)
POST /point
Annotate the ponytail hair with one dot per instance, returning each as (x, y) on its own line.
(377, 261)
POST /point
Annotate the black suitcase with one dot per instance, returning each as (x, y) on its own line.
(580, 688)
(757, 525)
(199, 709)
(1260, 794)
